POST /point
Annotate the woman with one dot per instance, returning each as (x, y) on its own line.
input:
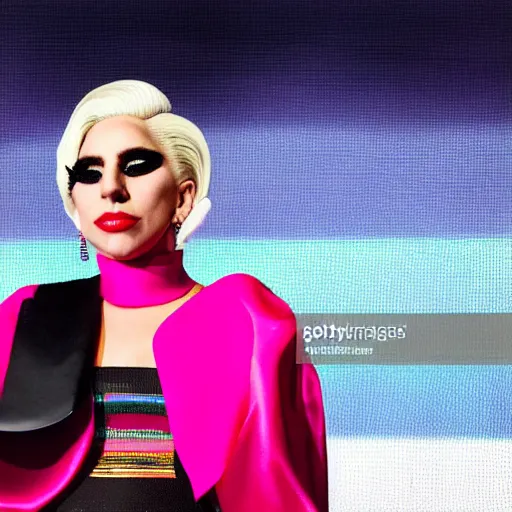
(140, 389)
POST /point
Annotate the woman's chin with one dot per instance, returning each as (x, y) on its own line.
(127, 252)
(122, 253)
(124, 248)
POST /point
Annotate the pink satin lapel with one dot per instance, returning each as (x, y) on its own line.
(205, 379)
(245, 418)
(9, 310)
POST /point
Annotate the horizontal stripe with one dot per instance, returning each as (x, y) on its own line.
(419, 475)
(387, 180)
(134, 458)
(133, 472)
(137, 422)
(125, 465)
(319, 276)
(443, 276)
(108, 398)
(138, 445)
(417, 401)
(117, 403)
(111, 433)
(128, 473)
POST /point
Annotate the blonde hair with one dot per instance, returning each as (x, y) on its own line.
(181, 140)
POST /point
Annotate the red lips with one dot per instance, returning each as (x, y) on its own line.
(115, 222)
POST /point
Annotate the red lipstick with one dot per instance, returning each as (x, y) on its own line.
(115, 222)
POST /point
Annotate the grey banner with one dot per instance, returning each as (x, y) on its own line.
(404, 339)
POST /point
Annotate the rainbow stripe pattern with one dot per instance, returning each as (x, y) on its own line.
(134, 434)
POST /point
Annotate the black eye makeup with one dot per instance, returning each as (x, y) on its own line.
(132, 162)
(84, 172)
(140, 161)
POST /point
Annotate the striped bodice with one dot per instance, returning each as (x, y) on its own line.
(135, 436)
(133, 465)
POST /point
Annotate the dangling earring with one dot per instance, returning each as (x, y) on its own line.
(84, 253)
(177, 227)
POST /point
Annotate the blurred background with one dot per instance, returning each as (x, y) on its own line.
(361, 163)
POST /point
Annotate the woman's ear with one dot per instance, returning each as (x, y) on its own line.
(186, 195)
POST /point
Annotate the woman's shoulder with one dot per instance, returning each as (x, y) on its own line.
(9, 312)
(13, 302)
(240, 280)
(253, 293)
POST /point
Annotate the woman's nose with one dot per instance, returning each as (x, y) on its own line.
(113, 187)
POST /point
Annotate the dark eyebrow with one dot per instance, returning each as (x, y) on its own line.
(83, 163)
(139, 153)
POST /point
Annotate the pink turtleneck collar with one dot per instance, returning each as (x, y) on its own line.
(146, 281)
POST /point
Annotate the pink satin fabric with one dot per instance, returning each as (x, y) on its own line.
(245, 418)
(148, 281)
(9, 310)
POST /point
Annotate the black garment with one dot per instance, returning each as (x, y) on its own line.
(88, 494)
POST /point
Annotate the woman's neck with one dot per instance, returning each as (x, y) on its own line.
(151, 280)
